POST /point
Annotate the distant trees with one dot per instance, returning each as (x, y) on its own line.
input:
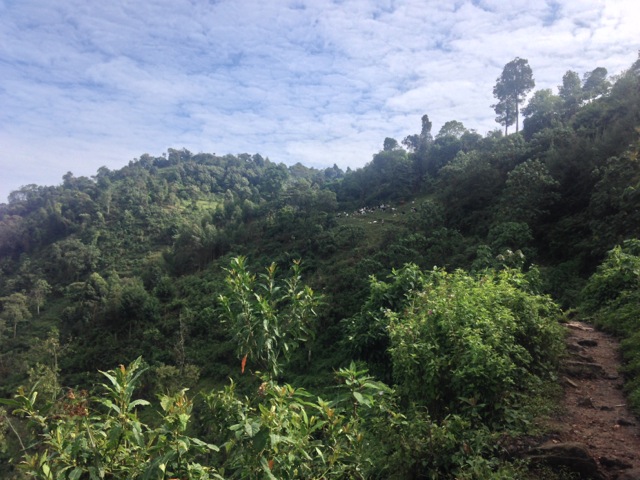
(574, 92)
(417, 143)
(511, 89)
(595, 83)
(15, 310)
(390, 144)
(544, 110)
(452, 128)
(39, 292)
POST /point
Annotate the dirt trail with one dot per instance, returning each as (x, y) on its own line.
(594, 409)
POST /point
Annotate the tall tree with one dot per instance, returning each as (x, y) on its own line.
(505, 113)
(571, 93)
(511, 89)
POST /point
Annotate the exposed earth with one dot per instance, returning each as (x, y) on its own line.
(595, 433)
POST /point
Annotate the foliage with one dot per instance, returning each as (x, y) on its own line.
(511, 89)
(614, 199)
(472, 343)
(612, 298)
(15, 310)
(82, 437)
(280, 432)
(367, 336)
(544, 110)
(286, 432)
(268, 319)
(609, 288)
(529, 192)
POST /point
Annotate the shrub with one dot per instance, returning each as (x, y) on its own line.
(473, 344)
(611, 298)
(82, 437)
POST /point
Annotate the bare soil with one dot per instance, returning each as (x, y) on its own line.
(594, 410)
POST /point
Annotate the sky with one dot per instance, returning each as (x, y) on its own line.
(88, 83)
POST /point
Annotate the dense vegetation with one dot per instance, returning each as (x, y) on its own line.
(400, 320)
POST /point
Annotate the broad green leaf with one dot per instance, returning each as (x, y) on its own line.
(75, 474)
(200, 443)
(138, 402)
(111, 378)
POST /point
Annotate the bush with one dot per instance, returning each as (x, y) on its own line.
(473, 344)
(611, 298)
(82, 437)
(612, 294)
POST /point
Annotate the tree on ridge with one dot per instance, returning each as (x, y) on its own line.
(511, 89)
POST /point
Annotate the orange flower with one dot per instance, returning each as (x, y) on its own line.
(243, 363)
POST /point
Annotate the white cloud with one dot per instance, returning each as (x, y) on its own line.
(86, 84)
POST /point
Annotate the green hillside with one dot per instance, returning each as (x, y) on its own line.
(396, 321)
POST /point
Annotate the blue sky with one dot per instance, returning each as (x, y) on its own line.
(86, 83)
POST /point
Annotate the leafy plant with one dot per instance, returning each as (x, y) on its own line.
(268, 318)
(82, 437)
(472, 344)
(286, 432)
(612, 299)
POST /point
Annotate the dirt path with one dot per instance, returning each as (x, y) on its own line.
(594, 409)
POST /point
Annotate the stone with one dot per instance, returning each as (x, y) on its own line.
(614, 463)
(623, 422)
(574, 457)
(583, 369)
(633, 474)
(579, 326)
(570, 382)
(574, 347)
(585, 402)
(588, 343)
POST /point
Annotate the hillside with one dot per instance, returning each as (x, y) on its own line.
(495, 234)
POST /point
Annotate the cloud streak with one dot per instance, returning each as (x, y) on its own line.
(86, 84)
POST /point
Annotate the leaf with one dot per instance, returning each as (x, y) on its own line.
(260, 440)
(135, 403)
(75, 474)
(109, 404)
(200, 443)
(111, 378)
(136, 430)
(358, 396)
